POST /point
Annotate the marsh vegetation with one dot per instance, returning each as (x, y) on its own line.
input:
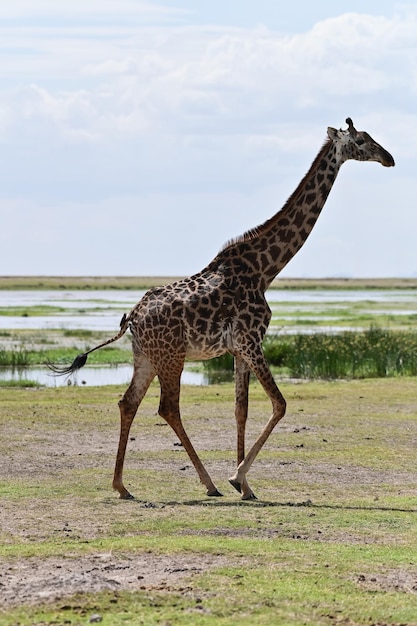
(319, 330)
(331, 539)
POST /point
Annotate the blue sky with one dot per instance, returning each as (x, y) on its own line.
(138, 137)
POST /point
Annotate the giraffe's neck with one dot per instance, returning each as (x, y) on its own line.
(266, 250)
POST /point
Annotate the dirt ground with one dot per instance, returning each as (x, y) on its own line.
(34, 580)
(35, 455)
(48, 455)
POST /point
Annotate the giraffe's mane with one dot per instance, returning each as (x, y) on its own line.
(260, 230)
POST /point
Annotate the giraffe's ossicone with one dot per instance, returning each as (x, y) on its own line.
(223, 309)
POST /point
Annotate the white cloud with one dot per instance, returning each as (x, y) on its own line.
(118, 102)
(97, 10)
(191, 81)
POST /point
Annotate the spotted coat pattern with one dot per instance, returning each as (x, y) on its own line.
(223, 309)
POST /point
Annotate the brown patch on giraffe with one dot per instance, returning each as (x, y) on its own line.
(175, 322)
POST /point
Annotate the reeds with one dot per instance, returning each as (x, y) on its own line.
(22, 357)
(14, 358)
(372, 353)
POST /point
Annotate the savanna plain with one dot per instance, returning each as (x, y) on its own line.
(330, 540)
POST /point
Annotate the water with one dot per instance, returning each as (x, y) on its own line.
(89, 375)
(71, 298)
(126, 299)
(102, 310)
(104, 321)
(86, 310)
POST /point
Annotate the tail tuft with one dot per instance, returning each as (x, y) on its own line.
(77, 364)
(81, 359)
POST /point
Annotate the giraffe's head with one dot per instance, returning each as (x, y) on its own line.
(358, 145)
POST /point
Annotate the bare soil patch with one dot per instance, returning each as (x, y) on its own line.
(57, 450)
(34, 580)
(402, 580)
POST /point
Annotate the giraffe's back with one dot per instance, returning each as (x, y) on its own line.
(196, 318)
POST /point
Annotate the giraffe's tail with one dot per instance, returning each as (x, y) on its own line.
(81, 359)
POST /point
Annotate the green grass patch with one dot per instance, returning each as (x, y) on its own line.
(15, 358)
(79, 333)
(23, 382)
(31, 311)
(330, 540)
(390, 312)
(105, 356)
(21, 357)
(372, 353)
(375, 352)
(140, 282)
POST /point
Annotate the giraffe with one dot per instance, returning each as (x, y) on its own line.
(223, 309)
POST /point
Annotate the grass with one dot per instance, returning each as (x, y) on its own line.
(15, 358)
(82, 282)
(145, 282)
(22, 357)
(22, 382)
(390, 312)
(31, 311)
(376, 352)
(330, 541)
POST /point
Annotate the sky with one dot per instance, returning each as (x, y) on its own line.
(137, 138)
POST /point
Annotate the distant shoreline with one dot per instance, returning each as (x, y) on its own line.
(146, 282)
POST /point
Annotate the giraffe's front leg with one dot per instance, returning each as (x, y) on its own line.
(242, 374)
(263, 373)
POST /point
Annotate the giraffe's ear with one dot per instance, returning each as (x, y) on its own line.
(332, 133)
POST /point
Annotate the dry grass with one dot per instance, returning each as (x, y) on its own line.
(330, 540)
(145, 282)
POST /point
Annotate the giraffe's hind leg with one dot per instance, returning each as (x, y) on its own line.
(170, 411)
(143, 375)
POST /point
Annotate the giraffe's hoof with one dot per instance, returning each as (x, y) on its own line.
(126, 496)
(236, 485)
(249, 496)
(216, 493)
